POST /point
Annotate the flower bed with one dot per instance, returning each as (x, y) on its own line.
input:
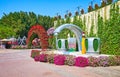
(69, 60)
(50, 58)
(81, 61)
(61, 59)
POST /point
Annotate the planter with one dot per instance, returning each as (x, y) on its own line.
(92, 45)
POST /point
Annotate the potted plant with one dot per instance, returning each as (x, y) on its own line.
(59, 16)
(109, 1)
(70, 14)
(55, 18)
(96, 6)
(82, 11)
(103, 3)
(76, 13)
(90, 8)
(65, 16)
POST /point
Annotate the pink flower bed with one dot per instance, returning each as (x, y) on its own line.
(81, 61)
(59, 59)
(43, 57)
(76, 61)
(36, 58)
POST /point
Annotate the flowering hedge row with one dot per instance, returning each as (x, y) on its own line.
(77, 61)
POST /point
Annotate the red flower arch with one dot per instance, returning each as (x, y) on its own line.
(42, 34)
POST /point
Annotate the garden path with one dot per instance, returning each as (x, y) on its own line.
(18, 63)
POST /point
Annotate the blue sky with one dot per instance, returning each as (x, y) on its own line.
(43, 7)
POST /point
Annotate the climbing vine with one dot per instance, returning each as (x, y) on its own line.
(92, 34)
(78, 21)
(109, 32)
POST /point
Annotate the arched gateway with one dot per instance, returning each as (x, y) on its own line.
(77, 31)
(42, 34)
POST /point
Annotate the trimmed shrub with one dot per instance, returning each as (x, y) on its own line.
(81, 61)
(35, 53)
(69, 60)
(59, 59)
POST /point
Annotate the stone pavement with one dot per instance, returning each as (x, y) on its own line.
(18, 63)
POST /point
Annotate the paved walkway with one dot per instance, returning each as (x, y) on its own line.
(18, 63)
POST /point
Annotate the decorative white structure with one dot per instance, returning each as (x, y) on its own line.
(75, 29)
(93, 45)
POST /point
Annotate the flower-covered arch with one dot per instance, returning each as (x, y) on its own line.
(42, 34)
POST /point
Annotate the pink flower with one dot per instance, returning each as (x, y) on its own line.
(81, 61)
(59, 59)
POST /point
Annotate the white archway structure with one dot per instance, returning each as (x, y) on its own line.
(77, 31)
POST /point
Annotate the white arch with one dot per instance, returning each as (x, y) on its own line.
(77, 31)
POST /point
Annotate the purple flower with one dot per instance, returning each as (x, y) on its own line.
(103, 61)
